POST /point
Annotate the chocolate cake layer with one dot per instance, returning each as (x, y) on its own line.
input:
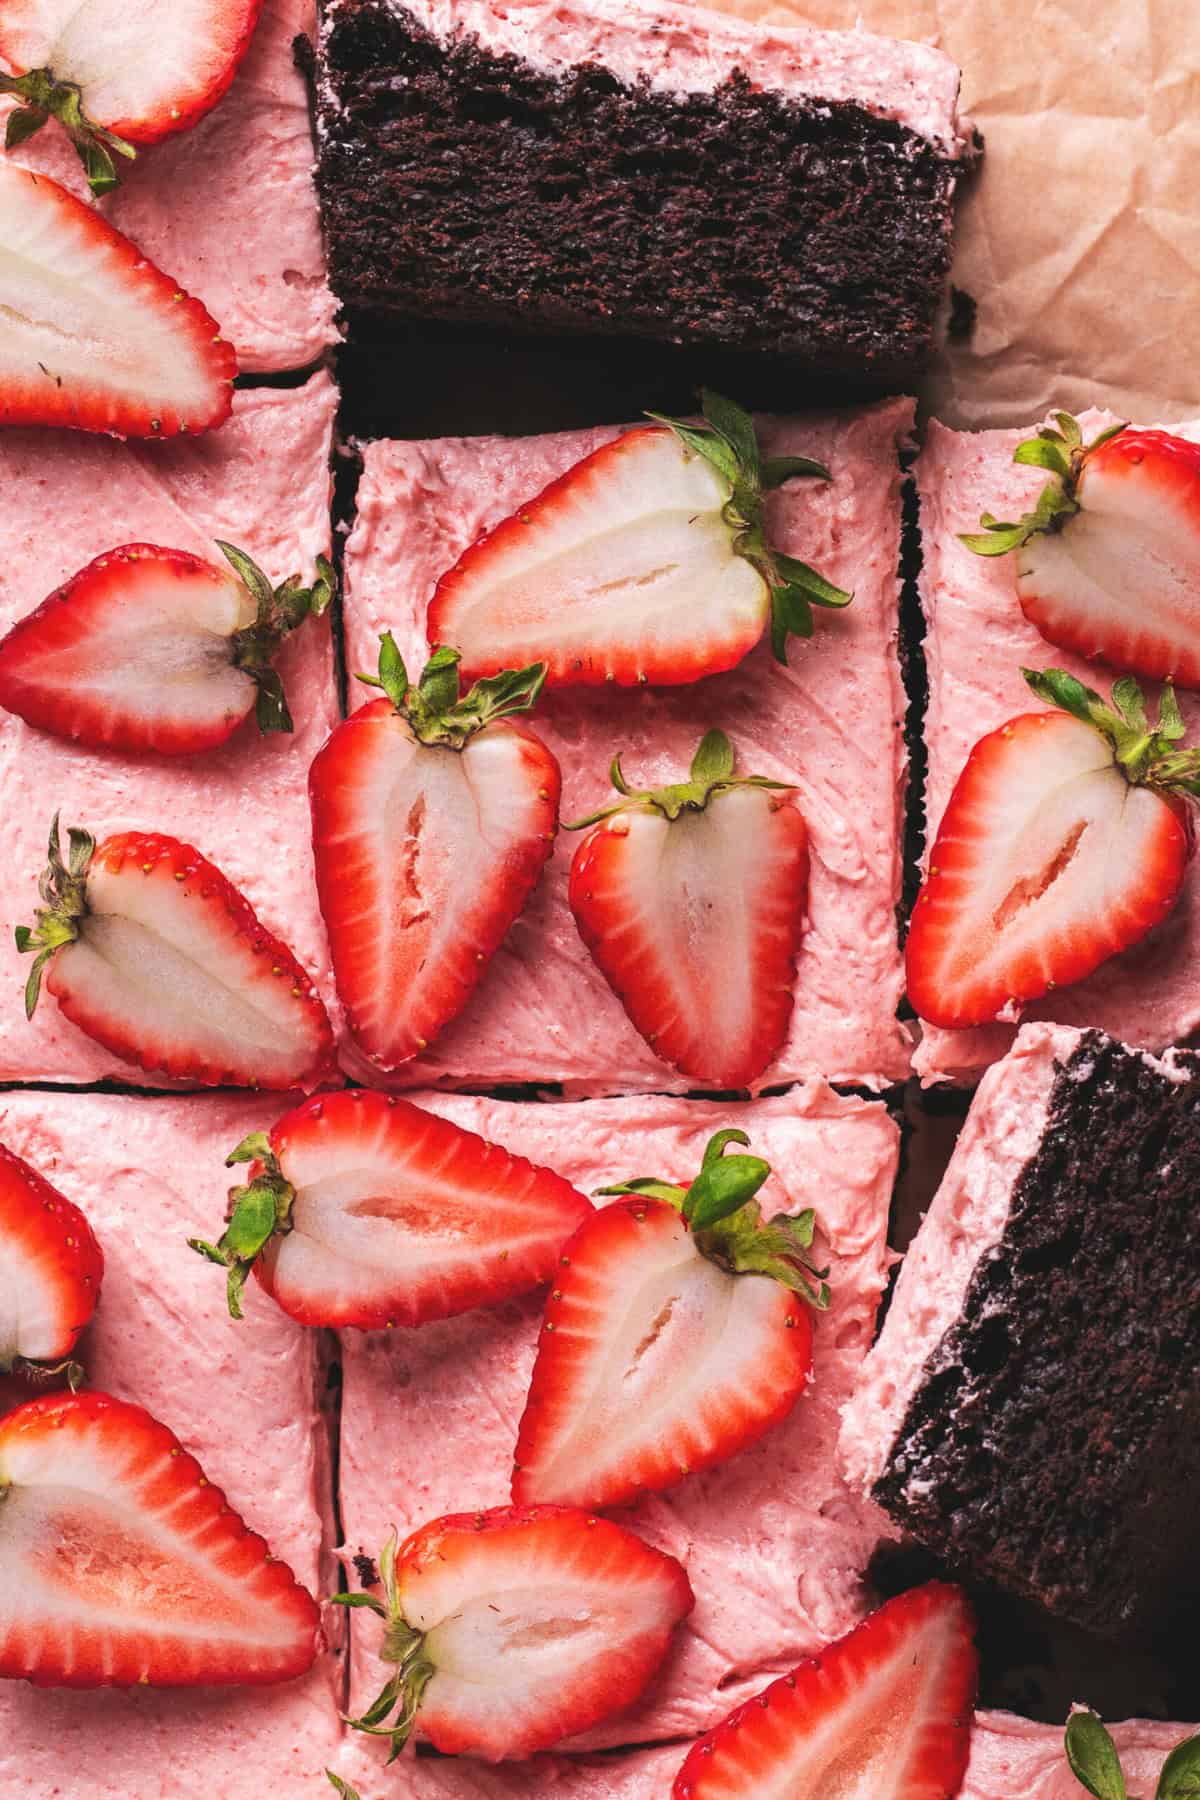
(1053, 1444)
(462, 183)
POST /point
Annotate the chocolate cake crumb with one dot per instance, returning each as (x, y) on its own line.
(461, 184)
(1054, 1439)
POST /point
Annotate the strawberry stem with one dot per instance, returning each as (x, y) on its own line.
(1141, 750)
(1062, 452)
(436, 710)
(261, 1210)
(727, 440)
(280, 610)
(402, 1645)
(711, 774)
(63, 888)
(44, 97)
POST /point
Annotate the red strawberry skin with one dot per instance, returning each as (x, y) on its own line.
(121, 1564)
(885, 1711)
(698, 934)
(169, 886)
(1047, 863)
(434, 1220)
(485, 1586)
(61, 665)
(424, 857)
(1121, 580)
(167, 83)
(188, 383)
(715, 1363)
(51, 1267)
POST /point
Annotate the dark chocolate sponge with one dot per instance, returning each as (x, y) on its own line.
(462, 185)
(1053, 1446)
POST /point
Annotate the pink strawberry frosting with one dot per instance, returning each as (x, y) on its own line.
(261, 482)
(640, 1775)
(978, 640)
(1014, 1759)
(774, 1543)
(245, 1399)
(830, 724)
(229, 207)
(688, 49)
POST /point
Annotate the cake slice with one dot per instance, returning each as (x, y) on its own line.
(263, 483)
(183, 202)
(649, 170)
(830, 723)
(977, 642)
(1016, 1759)
(774, 1544)
(1030, 1409)
(247, 1402)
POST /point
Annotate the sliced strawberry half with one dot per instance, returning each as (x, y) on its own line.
(150, 950)
(362, 1209)
(677, 1333)
(95, 336)
(433, 816)
(691, 898)
(152, 649)
(646, 562)
(119, 73)
(516, 1628)
(883, 1714)
(1108, 561)
(1066, 839)
(120, 1563)
(50, 1272)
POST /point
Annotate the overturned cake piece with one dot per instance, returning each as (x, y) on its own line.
(1029, 1411)
(655, 171)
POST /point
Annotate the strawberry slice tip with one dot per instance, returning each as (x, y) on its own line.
(1066, 839)
(677, 1333)
(513, 1629)
(51, 1268)
(95, 337)
(120, 1564)
(884, 1712)
(648, 561)
(362, 1209)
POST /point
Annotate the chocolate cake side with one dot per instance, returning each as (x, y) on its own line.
(1053, 1445)
(458, 183)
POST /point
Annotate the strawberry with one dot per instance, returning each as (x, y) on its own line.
(1108, 561)
(691, 899)
(364, 1210)
(677, 1333)
(1065, 841)
(646, 562)
(95, 336)
(119, 73)
(885, 1712)
(150, 649)
(516, 1628)
(121, 1564)
(50, 1272)
(1094, 1762)
(432, 818)
(150, 950)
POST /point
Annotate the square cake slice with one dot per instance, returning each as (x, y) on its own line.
(831, 723)
(774, 1543)
(1030, 1409)
(261, 482)
(978, 641)
(1016, 1759)
(245, 1399)
(191, 202)
(642, 169)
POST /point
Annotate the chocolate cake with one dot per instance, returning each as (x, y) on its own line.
(1031, 1409)
(661, 173)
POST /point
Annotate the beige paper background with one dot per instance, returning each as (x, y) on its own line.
(1080, 238)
